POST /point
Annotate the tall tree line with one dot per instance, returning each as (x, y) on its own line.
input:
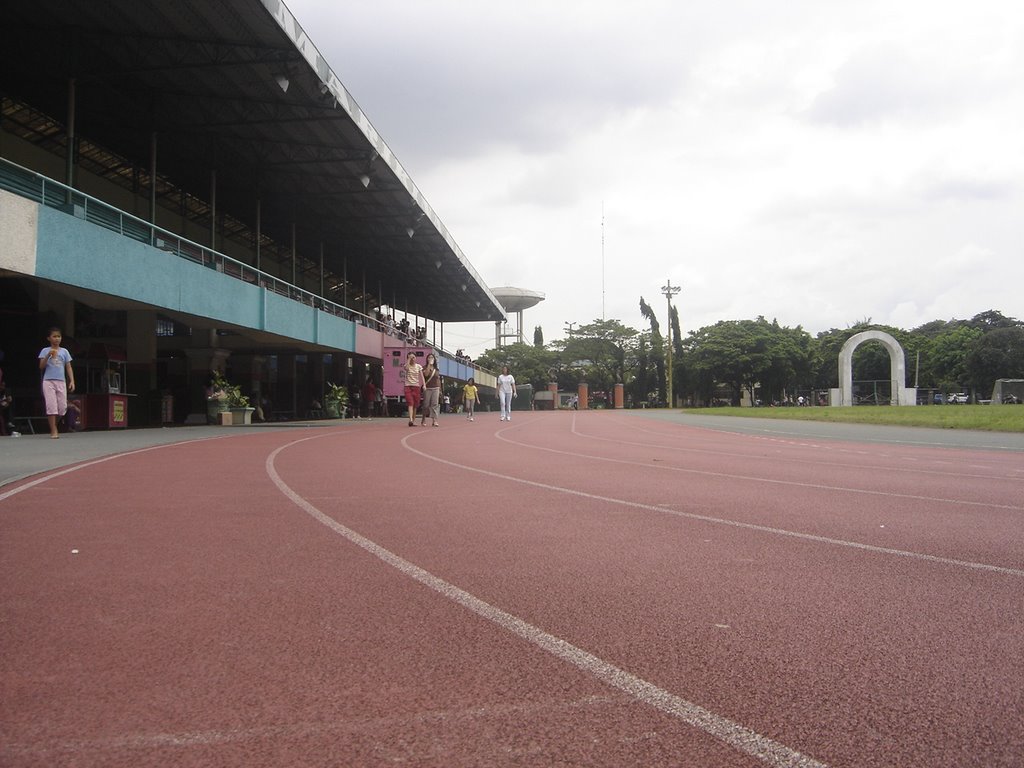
(761, 359)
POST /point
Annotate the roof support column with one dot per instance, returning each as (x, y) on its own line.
(69, 171)
(259, 236)
(213, 210)
(152, 179)
(294, 254)
(322, 269)
(364, 291)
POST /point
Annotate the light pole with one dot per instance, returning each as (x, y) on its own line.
(669, 290)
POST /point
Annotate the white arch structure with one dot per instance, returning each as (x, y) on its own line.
(900, 394)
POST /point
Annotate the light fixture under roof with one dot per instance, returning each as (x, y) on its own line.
(282, 82)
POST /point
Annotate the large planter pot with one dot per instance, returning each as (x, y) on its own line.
(241, 415)
(213, 409)
(333, 409)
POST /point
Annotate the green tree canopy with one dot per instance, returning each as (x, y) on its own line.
(747, 353)
(998, 354)
(529, 364)
(945, 357)
(600, 353)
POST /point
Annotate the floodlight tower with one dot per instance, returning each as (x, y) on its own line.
(669, 291)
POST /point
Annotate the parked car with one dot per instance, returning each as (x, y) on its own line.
(960, 397)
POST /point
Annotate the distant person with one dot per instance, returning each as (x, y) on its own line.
(469, 396)
(369, 396)
(58, 378)
(355, 399)
(412, 378)
(5, 403)
(73, 418)
(432, 391)
(506, 391)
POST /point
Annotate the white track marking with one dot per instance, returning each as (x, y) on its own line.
(737, 736)
(1015, 473)
(754, 479)
(67, 470)
(758, 431)
(717, 520)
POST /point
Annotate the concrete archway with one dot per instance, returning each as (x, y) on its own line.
(900, 394)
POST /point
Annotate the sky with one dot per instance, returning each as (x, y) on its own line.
(816, 162)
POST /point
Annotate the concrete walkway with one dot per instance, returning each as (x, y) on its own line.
(29, 455)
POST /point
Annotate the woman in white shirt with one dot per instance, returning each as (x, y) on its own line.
(506, 391)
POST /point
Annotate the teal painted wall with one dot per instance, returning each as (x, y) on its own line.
(73, 251)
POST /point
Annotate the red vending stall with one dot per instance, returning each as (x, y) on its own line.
(103, 402)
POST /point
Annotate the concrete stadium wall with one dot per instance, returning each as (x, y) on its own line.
(52, 245)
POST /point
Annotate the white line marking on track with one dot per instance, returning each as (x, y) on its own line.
(879, 440)
(755, 479)
(812, 462)
(67, 470)
(737, 736)
(718, 520)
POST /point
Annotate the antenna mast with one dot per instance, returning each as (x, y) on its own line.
(602, 260)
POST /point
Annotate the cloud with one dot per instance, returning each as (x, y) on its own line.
(813, 162)
(879, 83)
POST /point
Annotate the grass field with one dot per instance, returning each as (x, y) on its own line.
(990, 418)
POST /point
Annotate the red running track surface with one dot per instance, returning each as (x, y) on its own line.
(566, 589)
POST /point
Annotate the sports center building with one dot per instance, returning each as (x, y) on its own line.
(188, 187)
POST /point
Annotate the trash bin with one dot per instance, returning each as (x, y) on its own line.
(523, 401)
(166, 409)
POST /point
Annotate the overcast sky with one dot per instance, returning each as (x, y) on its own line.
(811, 161)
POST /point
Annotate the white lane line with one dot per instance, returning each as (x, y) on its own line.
(67, 470)
(717, 520)
(737, 736)
(756, 431)
(947, 473)
(755, 479)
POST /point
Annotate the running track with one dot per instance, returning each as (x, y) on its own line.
(566, 589)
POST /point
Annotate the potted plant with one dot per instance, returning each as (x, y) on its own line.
(228, 397)
(336, 400)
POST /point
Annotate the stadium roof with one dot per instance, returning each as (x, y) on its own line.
(237, 86)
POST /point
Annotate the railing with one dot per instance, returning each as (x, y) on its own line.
(53, 194)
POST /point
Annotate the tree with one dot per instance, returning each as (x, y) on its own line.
(998, 354)
(945, 357)
(529, 364)
(744, 354)
(655, 348)
(600, 353)
(992, 319)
